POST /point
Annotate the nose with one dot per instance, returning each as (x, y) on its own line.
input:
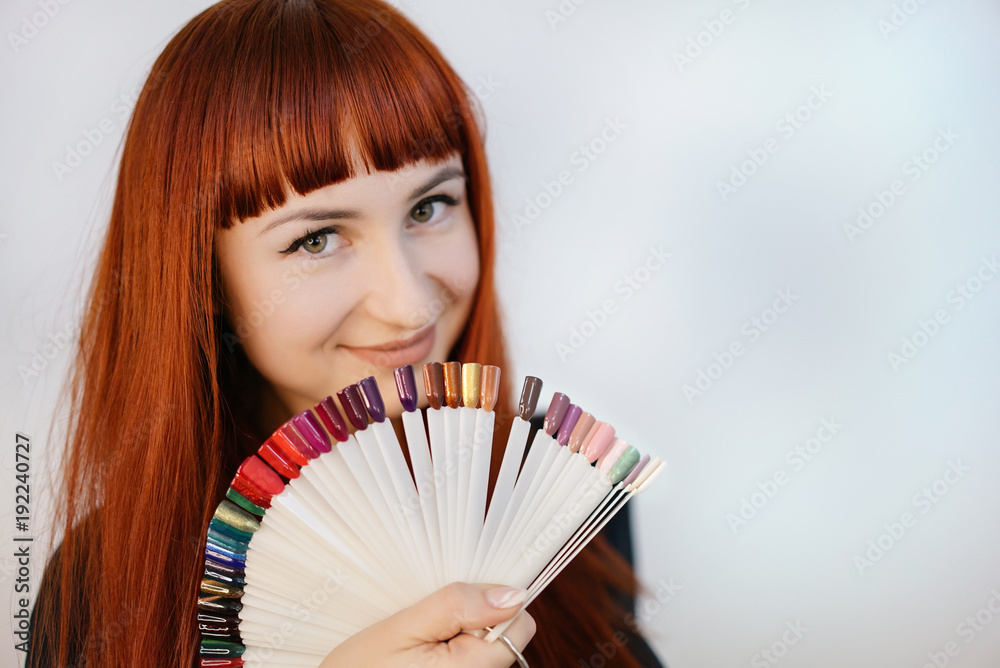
(400, 292)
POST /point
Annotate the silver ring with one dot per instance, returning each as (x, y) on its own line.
(513, 650)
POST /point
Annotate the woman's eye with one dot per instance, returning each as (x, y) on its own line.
(431, 208)
(315, 244)
(312, 243)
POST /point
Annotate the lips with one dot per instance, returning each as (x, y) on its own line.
(398, 353)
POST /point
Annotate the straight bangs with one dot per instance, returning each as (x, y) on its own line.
(312, 89)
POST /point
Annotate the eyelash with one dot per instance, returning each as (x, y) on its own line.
(298, 243)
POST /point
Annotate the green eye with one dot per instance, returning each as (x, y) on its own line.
(423, 212)
(315, 244)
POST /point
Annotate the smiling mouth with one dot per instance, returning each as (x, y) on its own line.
(400, 352)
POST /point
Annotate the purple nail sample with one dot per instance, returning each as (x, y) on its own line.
(354, 406)
(372, 398)
(406, 387)
(554, 416)
(311, 431)
(643, 462)
(568, 422)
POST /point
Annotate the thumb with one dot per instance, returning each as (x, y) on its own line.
(455, 608)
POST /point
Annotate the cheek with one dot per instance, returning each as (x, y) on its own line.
(456, 270)
(283, 316)
(456, 265)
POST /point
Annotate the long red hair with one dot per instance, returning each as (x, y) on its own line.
(250, 97)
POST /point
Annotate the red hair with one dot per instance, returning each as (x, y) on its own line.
(252, 97)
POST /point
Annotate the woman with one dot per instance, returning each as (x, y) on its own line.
(303, 200)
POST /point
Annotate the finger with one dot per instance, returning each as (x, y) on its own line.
(455, 608)
(468, 649)
(521, 630)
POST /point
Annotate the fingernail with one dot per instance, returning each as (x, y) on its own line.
(372, 397)
(434, 384)
(311, 431)
(529, 397)
(472, 376)
(506, 597)
(453, 384)
(331, 418)
(554, 416)
(569, 421)
(599, 441)
(489, 390)
(354, 406)
(406, 387)
(580, 431)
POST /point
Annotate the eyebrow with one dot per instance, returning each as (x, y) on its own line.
(320, 214)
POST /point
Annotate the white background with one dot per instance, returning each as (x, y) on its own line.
(554, 85)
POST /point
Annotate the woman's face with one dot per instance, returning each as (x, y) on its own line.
(353, 280)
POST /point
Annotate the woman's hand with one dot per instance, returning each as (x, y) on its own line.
(429, 633)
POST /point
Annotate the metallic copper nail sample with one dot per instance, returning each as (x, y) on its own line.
(472, 376)
(434, 384)
(453, 383)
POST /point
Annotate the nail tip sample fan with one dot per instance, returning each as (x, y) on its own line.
(356, 534)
